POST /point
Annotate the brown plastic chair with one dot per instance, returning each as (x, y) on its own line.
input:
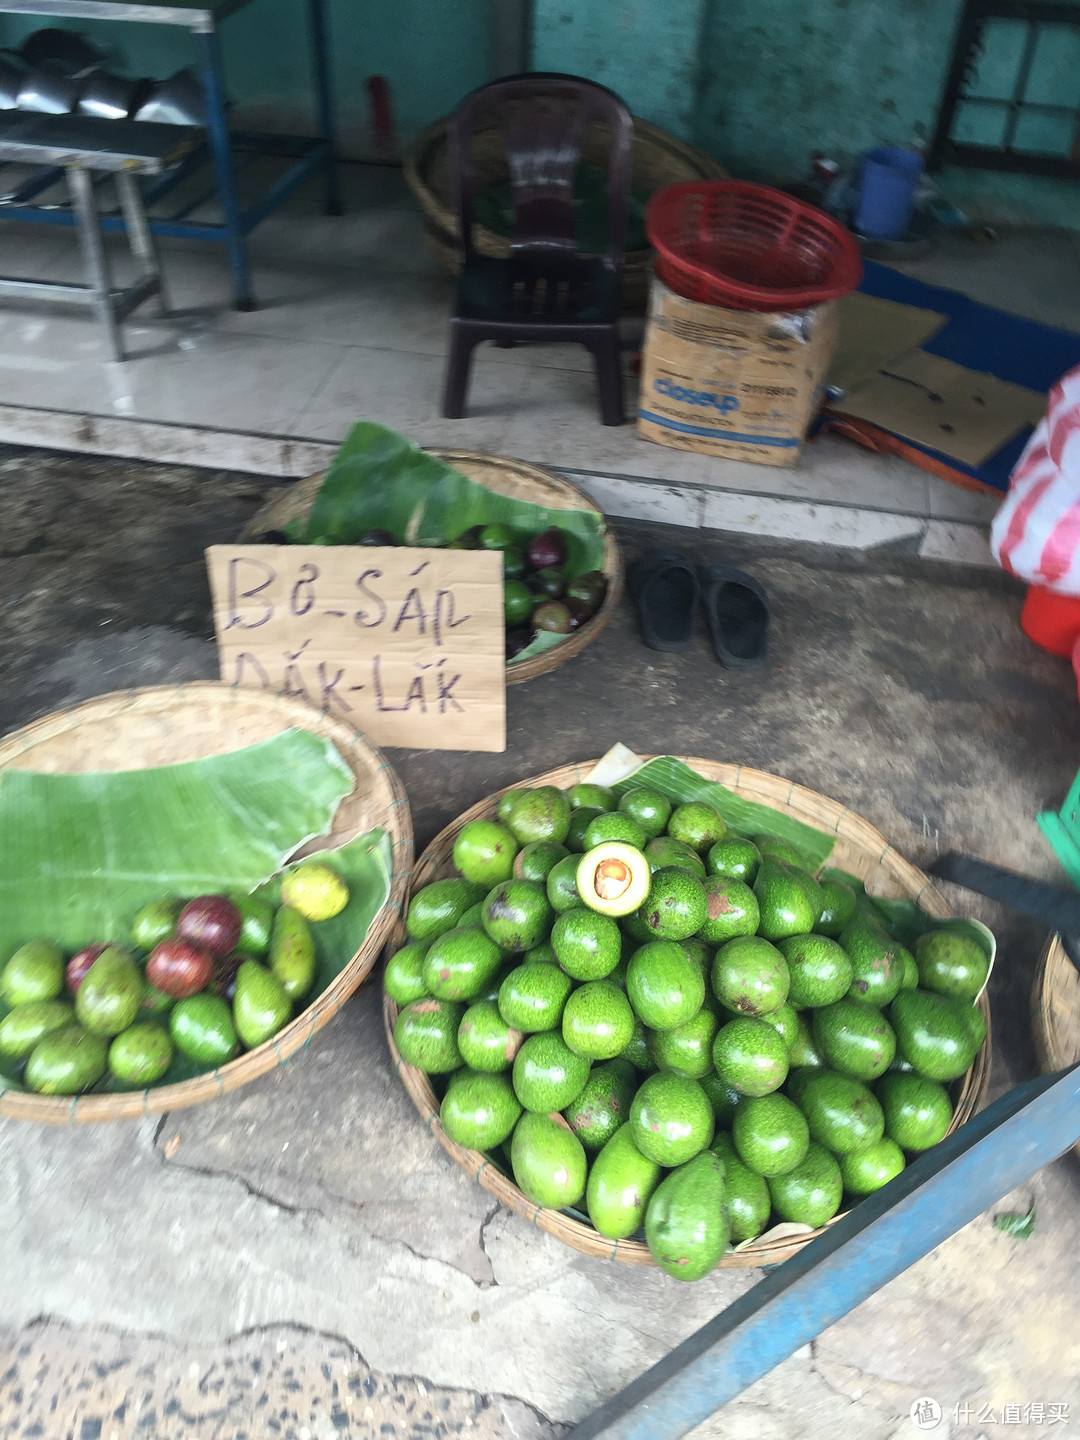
(546, 290)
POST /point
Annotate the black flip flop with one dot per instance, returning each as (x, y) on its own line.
(665, 586)
(738, 613)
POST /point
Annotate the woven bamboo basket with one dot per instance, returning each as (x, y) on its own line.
(506, 477)
(658, 159)
(859, 849)
(167, 725)
(1055, 1010)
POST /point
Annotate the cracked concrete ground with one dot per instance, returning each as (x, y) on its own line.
(300, 1254)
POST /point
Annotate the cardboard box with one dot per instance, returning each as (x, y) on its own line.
(732, 383)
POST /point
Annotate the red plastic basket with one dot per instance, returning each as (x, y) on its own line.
(749, 247)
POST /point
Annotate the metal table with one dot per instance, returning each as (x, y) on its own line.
(202, 18)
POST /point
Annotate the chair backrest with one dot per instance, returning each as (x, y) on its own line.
(543, 119)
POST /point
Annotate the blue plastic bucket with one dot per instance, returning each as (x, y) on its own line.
(889, 178)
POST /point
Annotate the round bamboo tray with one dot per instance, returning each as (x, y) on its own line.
(506, 477)
(167, 725)
(859, 849)
(1055, 1010)
(657, 159)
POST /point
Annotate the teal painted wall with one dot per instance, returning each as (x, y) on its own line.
(648, 51)
(431, 54)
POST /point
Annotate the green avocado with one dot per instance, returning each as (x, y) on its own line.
(686, 1221)
(532, 997)
(771, 847)
(292, 953)
(951, 963)
(66, 1062)
(561, 885)
(260, 1005)
(910, 980)
(438, 907)
(877, 961)
(425, 1034)
(731, 910)
(723, 1098)
(461, 964)
(751, 1056)
(536, 861)
(596, 797)
(485, 1040)
(820, 970)
(541, 814)
(841, 1113)
(803, 1052)
(586, 944)
(665, 987)
(855, 1039)
(580, 820)
(620, 1183)
(869, 1169)
(517, 915)
(664, 853)
(479, 1110)
(548, 1160)
(687, 1050)
(638, 1050)
(202, 1029)
(698, 825)
(789, 899)
(548, 1075)
(507, 800)
(671, 1119)
(141, 1054)
(256, 925)
(748, 1199)
(675, 906)
(23, 1028)
(613, 825)
(933, 1032)
(918, 1111)
(838, 909)
(737, 859)
(604, 1105)
(750, 975)
(403, 978)
(770, 1133)
(697, 951)
(785, 1022)
(811, 1193)
(34, 972)
(484, 852)
(648, 809)
(108, 998)
(156, 922)
(597, 1021)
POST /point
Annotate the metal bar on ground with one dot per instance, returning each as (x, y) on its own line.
(881, 1237)
(282, 188)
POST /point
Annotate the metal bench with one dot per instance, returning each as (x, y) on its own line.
(82, 146)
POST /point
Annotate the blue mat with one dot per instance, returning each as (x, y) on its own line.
(982, 338)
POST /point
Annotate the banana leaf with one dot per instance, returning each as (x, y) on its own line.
(80, 854)
(675, 779)
(379, 480)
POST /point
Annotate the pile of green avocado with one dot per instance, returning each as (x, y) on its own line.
(627, 1006)
(204, 979)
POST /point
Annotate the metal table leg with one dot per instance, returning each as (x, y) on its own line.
(98, 278)
(142, 243)
(218, 135)
(324, 103)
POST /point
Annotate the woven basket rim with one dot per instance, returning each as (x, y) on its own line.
(768, 789)
(548, 480)
(1055, 1010)
(364, 760)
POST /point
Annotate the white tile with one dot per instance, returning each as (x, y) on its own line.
(802, 520)
(643, 500)
(964, 544)
(953, 502)
(405, 391)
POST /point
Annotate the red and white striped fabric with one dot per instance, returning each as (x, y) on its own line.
(1036, 533)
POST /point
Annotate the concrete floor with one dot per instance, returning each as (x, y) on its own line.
(299, 1258)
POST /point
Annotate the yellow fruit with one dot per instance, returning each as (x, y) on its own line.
(316, 890)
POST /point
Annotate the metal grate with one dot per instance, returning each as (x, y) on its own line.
(1003, 107)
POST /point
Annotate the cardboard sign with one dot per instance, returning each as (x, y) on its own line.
(406, 645)
(872, 332)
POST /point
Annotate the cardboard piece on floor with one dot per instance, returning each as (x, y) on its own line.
(872, 332)
(407, 645)
(962, 413)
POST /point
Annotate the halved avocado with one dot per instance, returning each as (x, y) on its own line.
(613, 878)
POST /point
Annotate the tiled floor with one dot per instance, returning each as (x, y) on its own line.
(352, 322)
